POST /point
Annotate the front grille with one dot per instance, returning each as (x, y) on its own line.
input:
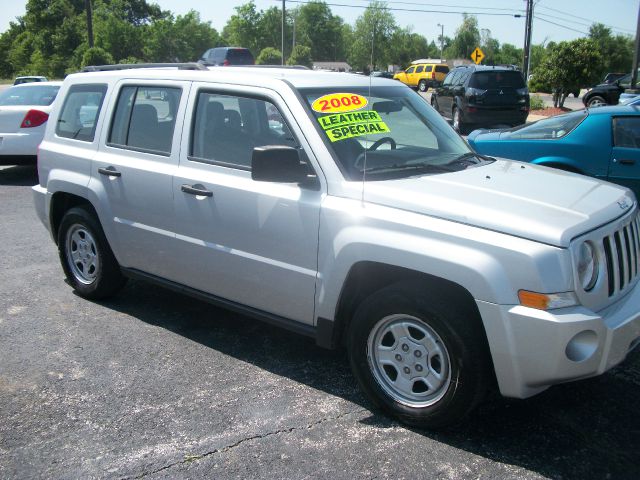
(622, 256)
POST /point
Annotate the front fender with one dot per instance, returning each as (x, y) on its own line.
(491, 266)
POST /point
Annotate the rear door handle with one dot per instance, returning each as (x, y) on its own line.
(109, 171)
(627, 161)
(197, 189)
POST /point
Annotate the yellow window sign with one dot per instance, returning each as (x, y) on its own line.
(339, 102)
(477, 55)
(341, 126)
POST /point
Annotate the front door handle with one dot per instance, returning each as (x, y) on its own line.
(109, 171)
(197, 189)
(627, 161)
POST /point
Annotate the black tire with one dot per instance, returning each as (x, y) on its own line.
(81, 235)
(458, 125)
(422, 86)
(434, 102)
(596, 101)
(464, 342)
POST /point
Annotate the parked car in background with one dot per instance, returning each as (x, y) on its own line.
(382, 74)
(629, 99)
(479, 96)
(24, 110)
(226, 56)
(423, 75)
(609, 92)
(29, 79)
(612, 77)
(603, 143)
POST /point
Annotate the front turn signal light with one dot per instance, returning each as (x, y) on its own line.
(547, 301)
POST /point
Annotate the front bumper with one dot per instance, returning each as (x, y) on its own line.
(534, 349)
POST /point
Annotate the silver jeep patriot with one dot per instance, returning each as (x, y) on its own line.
(346, 209)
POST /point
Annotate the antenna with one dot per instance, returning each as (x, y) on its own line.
(366, 138)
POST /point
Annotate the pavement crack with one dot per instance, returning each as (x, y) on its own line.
(226, 448)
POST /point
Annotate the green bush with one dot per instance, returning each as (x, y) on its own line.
(269, 56)
(301, 55)
(536, 102)
(96, 56)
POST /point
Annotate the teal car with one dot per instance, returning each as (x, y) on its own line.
(602, 142)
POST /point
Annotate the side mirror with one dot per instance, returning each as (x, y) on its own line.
(277, 163)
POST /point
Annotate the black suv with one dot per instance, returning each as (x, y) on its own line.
(477, 96)
(227, 56)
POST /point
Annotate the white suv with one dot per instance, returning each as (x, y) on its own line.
(344, 208)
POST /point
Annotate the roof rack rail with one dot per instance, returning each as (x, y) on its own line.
(127, 66)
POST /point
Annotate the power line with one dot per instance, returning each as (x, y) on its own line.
(559, 25)
(422, 4)
(567, 14)
(395, 9)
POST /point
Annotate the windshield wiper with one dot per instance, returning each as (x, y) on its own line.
(408, 166)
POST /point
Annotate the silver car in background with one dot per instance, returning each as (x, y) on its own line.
(24, 111)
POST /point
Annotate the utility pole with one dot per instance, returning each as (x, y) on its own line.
(87, 4)
(634, 68)
(527, 40)
(441, 39)
(283, 24)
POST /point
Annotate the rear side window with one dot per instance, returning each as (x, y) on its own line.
(428, 68)
(442, 69)
(79, 113)
(420, 69)
(227, 128)
(41, 95)
(496, 79)
(144, 119)
(626, 132)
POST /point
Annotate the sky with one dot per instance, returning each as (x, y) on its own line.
(555, 20)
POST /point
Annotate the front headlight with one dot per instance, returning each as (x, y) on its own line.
(587, 265)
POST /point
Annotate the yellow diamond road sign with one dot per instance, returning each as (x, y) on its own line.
(477, 55)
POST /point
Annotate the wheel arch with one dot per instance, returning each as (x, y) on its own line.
(367, 277)
(61, 202)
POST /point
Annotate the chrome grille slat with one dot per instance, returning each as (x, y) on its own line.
(633, 253)
(622, 256)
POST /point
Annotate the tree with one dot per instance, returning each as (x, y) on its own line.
(569, 66)
(616, 52)
(371, 35)
(318, 29)
(96, 56)
(269, 56)
(467, 38)
(301, 55)
(183, 39)
(243, 28)
(406, 46)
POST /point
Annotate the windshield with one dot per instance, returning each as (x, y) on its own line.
(549, 128)
(391, 133)
(41, 95)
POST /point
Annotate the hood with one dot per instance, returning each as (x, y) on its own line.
(521, 199)
(487, 134)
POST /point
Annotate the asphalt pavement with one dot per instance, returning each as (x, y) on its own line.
(152, 384)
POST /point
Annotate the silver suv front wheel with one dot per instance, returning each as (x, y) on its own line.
(420, 352)
(409, 360)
